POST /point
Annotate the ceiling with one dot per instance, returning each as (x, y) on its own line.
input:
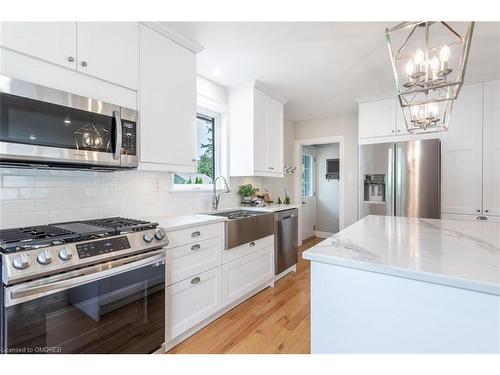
(320, 67)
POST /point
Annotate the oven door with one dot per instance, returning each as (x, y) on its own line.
(116, 307)
(41, 125)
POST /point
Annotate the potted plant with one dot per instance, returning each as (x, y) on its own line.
(247, 192)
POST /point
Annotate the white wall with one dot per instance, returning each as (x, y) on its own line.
(327, 191)
(346, 126)
(31, 197)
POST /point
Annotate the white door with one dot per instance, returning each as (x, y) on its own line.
(491, 149)
(308, 193)
(167, 101)
(461, 159)
(54, 42)
(377, 119)
(109, 51)
(261, 119)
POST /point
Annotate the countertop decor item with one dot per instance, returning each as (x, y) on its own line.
(247, 192)
(429, 60)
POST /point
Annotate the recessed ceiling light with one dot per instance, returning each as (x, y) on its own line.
(217, 72)
(67, 121)
(32, 137)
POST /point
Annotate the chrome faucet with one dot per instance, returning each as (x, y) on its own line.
(216, 197)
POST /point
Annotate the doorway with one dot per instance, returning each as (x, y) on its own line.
(321, 191)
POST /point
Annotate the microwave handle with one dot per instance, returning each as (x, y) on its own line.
(118, 135)
(24, 293)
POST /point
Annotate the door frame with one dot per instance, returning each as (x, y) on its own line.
(298, 161)
(313, 186)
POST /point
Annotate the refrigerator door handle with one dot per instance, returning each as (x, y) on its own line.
(389, 197)
(399, 183)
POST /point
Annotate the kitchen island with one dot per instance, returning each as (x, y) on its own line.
(407, 285)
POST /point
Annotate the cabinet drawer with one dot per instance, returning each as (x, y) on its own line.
(243, 275)
(247, 249)
(189, 260)
(191, 301)
(195, 234)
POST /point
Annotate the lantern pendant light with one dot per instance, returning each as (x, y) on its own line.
(429, 65)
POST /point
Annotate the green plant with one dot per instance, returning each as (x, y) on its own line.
(198, 180)
(279, 200)
(247, 190)
(189, 181)
(287, 198)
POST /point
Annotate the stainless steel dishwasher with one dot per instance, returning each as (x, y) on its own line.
(285, 240)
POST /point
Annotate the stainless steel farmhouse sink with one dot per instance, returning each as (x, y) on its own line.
(245, 226)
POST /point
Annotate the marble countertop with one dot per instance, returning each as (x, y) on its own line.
(270, 208)
(176, 222)
(456, 253)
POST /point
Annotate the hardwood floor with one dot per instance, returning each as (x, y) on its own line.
(275, 320)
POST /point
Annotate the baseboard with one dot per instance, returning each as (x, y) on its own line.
(183, 336)
(285, 272)
(320, 234)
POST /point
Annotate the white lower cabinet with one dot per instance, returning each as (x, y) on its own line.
(245, 274)
(190, 301)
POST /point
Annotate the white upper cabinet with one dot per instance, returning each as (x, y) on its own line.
(491, 148)
(377, 118)
(167, 104)
(256, 132)
(54, 42)
(109, 51)
(105, 50)
(461, 159)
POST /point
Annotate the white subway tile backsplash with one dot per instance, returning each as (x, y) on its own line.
(9, 193)
(18, 205)
(33, 193)
(18, 181)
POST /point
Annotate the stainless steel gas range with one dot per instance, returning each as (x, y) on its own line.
(94, 286)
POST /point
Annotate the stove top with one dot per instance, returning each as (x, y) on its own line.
(34, 237)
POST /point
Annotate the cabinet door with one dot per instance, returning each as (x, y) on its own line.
(377, 119)
(167, 102)
(191, 301)
(54, 42)
(244, 275)
(461, 164)
(109, 51)
(491, 149)
(261, 119)
(275, 136)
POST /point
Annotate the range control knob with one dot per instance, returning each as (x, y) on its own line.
(160, 234)
(147, 237)
(21, 261)
(66, 253)
(44, 257)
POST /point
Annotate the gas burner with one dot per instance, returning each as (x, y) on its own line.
(16, 239)
(123, 225)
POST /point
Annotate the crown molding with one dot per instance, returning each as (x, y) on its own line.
(175, 36)
(260, 86)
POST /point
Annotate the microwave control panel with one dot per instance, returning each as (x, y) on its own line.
(129, 137)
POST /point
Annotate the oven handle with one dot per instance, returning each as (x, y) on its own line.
(118, 135)
(29, 291)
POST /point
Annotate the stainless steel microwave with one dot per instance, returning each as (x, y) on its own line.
(44, 127)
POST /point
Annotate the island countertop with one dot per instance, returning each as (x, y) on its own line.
(456, 253)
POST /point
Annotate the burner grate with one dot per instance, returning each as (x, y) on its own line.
(122, 224)
(34, 236)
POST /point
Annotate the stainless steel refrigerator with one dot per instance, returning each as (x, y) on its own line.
(401, 179)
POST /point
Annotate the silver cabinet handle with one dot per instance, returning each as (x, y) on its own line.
(486, 211)
(118, 135)
(195, 280)
(83, 63)
(482, 218)
(195, 247)
(252, 244)
(193, 160)
(271, 167)
(196, 234)
(71, 59)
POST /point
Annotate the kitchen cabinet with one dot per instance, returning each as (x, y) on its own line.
(54, 42)
(109, 51)
(461, 154)
(167, 104)
(245, 274)
(191, 301)
(377, 118)
(491, 149)
(104, 50)
(256, 132)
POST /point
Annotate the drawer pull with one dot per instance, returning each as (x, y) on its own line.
(196, 234)
(252, 244)
(482, 218)
(195, 280)
(195, 247)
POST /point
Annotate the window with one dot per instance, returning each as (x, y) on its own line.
(307, 175)
(207, 153)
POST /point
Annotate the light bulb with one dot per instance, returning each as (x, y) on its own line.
(419, 57)
(414, 111)
(435, 66)
(444, 54)
(433, 110)
(410, 69)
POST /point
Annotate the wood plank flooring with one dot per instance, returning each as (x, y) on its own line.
(276, 320)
